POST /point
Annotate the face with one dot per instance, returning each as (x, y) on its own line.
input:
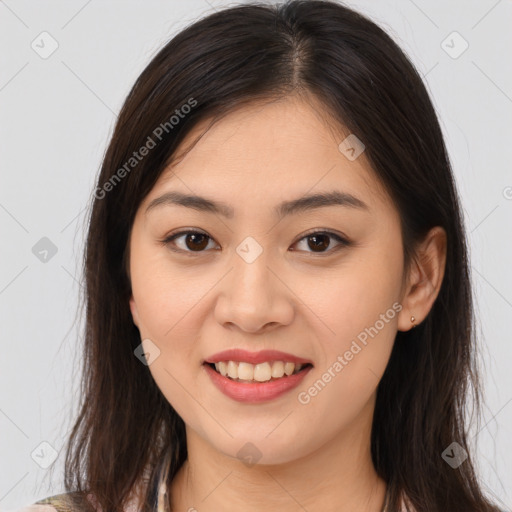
(321, 283)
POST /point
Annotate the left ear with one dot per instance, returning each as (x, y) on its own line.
(134, 311)
(425, 279)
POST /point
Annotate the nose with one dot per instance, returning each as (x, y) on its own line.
(253, 297)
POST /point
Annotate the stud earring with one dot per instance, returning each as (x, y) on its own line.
(412, 321)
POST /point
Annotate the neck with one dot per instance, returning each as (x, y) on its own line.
(339, 477)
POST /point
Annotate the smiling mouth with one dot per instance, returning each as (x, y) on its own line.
(259, 373)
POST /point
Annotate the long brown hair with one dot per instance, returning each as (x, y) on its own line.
(125, 427)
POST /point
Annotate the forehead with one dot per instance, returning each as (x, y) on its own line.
(280, 148)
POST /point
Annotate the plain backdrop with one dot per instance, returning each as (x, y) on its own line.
(56, 115)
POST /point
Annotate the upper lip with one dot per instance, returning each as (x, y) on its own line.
(240, 355)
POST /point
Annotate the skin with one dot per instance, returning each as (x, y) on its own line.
(292, 298)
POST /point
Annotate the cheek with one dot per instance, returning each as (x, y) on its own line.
(168, 302)
(360, 307)
(366, 288)
(165, 295)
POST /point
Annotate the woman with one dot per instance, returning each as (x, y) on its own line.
(279, 311)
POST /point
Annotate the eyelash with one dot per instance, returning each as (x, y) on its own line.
(172, 236)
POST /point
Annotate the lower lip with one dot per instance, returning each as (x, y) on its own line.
(255, 392)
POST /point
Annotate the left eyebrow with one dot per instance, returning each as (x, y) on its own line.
(299, 205)
(320, 200)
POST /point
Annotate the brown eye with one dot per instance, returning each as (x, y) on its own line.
(189, 241)
(320, 242)
(196, 241)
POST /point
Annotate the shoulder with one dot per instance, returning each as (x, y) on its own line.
(78, 502)
(64, 502)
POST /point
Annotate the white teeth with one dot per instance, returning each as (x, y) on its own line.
(245, 371)
(222, 367)
(277, 369)
(232, 369)
(288, 368)
(261, 372)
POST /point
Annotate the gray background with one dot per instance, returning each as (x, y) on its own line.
(57, 114)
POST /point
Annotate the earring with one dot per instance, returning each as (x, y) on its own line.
(412, 321)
